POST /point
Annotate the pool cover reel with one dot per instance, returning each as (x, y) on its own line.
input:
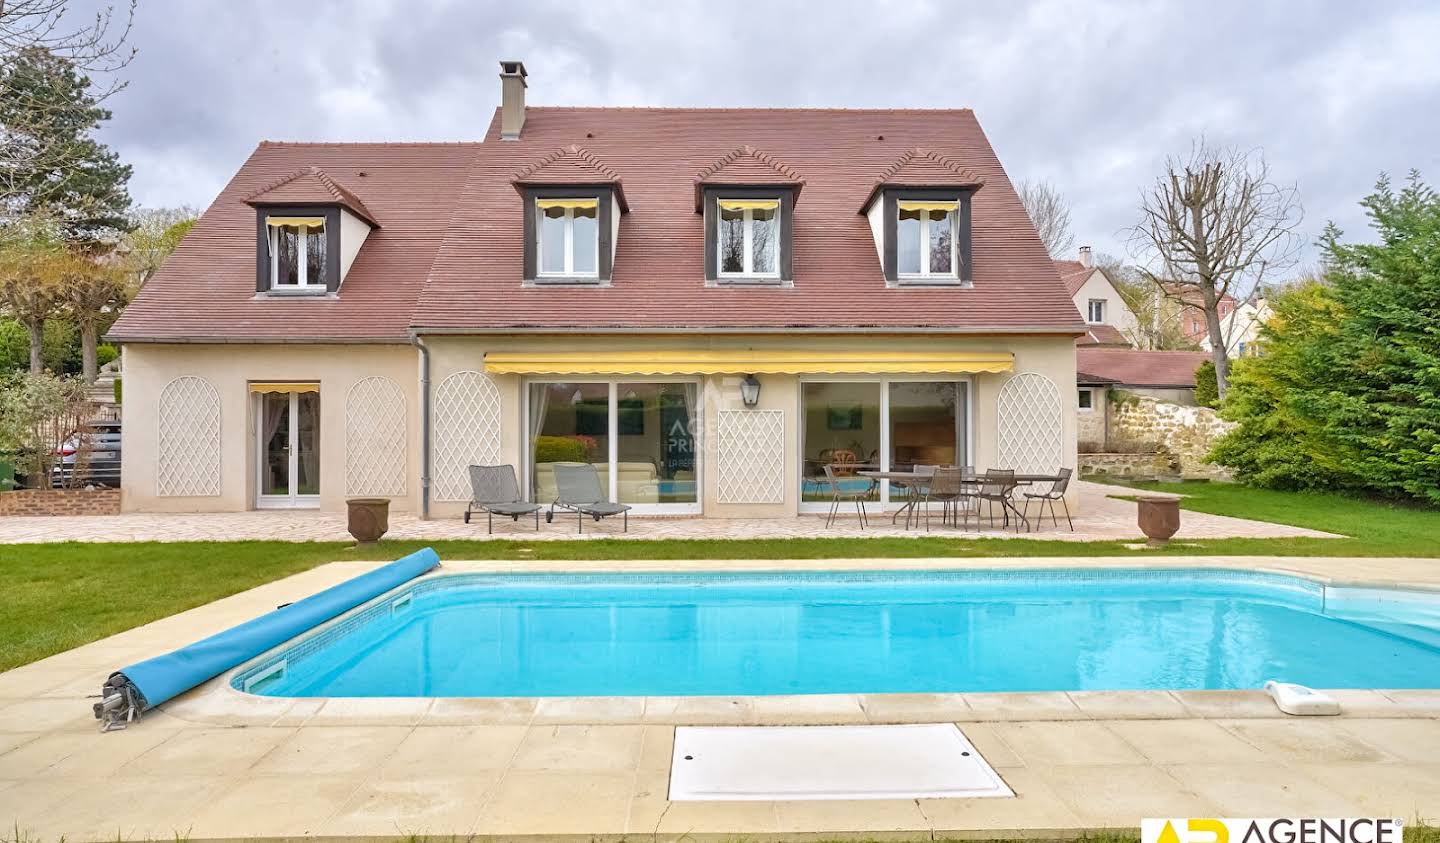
(130, 692)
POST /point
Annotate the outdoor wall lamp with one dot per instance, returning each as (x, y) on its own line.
(750, 391)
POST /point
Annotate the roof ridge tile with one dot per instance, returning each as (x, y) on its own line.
(338, 193)
(574, 151)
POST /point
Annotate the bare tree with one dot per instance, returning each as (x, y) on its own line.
(1215, 225)
(1050, 213)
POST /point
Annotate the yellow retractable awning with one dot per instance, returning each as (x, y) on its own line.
(746, 362)
(305, 222)
(928, 206)
(542, 204)
(749, 204)
(284, 387)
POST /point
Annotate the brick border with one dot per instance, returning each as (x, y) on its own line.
(60, 502)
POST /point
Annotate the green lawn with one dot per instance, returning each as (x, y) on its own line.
(60, 596)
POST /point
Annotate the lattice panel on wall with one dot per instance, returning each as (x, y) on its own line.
(467, 431)
(750, 456)
(1030, 425)
(187, 460)
(375, 438)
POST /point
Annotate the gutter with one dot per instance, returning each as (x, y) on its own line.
(1062, 330)
(416, 341)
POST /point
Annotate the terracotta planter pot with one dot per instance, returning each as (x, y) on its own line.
(368, 518)
(1159, 519)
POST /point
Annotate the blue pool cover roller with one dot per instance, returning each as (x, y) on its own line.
(143, 685)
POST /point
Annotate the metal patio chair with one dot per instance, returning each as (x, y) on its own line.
(1056, 493)
(996, 486)
(493, 491)
(948, 487)
(577, 488)
(839, 495)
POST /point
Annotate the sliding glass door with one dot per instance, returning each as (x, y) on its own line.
(882, 424)
(639, 436)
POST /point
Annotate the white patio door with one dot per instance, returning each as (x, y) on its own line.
(287, 447)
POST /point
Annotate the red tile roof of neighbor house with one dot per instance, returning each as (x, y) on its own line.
(1130, 367)
(449, 254)
(1073, 274)
(1103, 335)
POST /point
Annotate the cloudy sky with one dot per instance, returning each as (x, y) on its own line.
(1090, 96)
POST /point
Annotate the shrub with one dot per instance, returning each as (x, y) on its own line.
(1207, 392)
(559, 449)
(37, 414)
(1347, 395)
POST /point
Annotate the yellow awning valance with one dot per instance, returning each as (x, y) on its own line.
(307, 222)
(567, 203)
(746, 362)
(927, 206)
(749, 204)
(284, 387)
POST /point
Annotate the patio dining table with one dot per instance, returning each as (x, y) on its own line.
(912, 481)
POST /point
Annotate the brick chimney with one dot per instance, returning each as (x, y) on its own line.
(512, 99)
(1084, 250)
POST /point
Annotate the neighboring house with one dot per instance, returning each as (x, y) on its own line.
(1167, 375)
(1108, 319)
(1240, 322)
(710, 305)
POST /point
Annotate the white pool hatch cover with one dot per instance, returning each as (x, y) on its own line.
(739, 763)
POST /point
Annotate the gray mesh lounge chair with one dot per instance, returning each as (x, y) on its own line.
(493, 490)
(577, 488)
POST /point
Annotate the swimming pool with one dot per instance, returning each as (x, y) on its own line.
(538, 635)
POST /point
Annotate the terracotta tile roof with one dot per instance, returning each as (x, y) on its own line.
(746, 165)
(207, 288)
(1103, 335)
(658, 274)
(574, 166)
(1074, 274)
(1130, 367)
(311, 186)
(450, 253)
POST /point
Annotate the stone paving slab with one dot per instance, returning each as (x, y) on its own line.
(1102, 518)
(284, 768)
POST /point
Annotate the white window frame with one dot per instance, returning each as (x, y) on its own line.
(925, 274)
(1086, 391)
(273, 234)
(612, 455)
(569, 248)
(292, 499)
(885, 502)
(747, 227)
(1090, 311)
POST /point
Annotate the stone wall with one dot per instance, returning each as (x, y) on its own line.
(60, 502)
(1139, 466)
(1184, 432)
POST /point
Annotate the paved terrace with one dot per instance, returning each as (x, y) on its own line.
(597, 768)
(1103, 518)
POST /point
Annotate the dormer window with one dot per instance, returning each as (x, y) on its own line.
(925, 245)
(926, 236)
(748, 235)
(570, 234)
(569, 237)
(297, 252)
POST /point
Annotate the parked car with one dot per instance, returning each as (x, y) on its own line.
(99, 445)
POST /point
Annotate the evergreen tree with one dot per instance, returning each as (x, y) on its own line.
(49, 162)
(1347, 395)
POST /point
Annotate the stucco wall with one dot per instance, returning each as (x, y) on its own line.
(1090, 425)
(1117, 313)
(148, 368)
(230, 369)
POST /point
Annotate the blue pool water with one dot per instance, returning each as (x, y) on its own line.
(753, 634)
